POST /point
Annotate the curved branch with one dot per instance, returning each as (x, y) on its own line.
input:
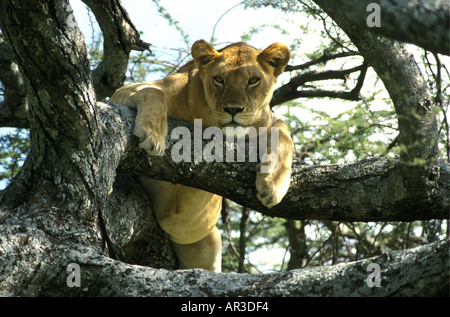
(424, 23)
(290, 90)
(418, 129)
(120, 37)
(431, 264)
(46, 272)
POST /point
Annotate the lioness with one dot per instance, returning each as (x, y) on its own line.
(227, 88)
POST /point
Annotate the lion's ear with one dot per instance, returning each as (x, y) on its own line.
(203, 53)
(276, 56)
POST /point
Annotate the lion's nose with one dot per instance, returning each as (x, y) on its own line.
(233, 110)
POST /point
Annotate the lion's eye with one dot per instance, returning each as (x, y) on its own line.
(218, 80)
(253, 81)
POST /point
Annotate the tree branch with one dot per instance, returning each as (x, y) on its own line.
(418, 131)
(317, 192)
(424, 23)
(48, 258)
(290, 90)
(120, 37)
(131, 228)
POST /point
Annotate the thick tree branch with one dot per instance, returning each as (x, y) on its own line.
(120, 37)
(317, 192)
(430, 262)
(47, 259)
(424, 23)
(132, 233)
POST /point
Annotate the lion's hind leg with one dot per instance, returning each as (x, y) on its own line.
(204, 254)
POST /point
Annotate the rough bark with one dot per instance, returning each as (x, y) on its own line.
(63, 123)
(423, 271)
(424, 23)
(133, 234)
(290, 91)
(120, 36)
(403, 81)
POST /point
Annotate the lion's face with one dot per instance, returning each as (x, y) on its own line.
(238, 81)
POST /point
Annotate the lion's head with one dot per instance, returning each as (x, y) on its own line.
(238, 80)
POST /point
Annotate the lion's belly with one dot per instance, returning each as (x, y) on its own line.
(185, 213)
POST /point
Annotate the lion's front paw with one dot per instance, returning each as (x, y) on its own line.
(151, 141)
(271, 188)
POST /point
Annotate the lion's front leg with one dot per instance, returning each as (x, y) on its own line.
(150, 125)
(274, 172)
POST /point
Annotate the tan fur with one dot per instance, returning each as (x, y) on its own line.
(227, 88)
